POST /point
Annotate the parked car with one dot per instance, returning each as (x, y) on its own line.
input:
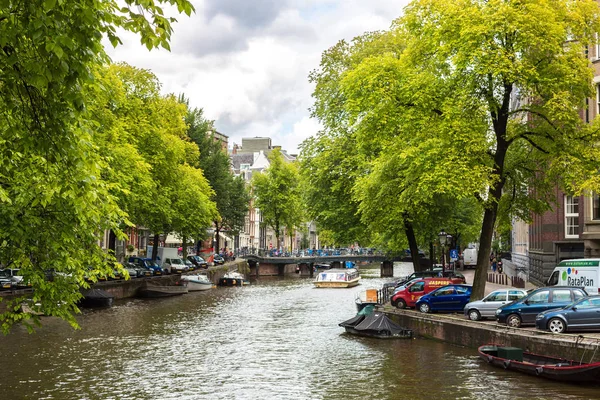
(175, 265)
(449, 298)
(419, 274)
(525, 310)
(486, 307)
(148, 264)
(582, 315)
(191, 266)
(14, 275)
(198, 261)
(5, 284)
(409, 294)
(141, 272)
(218, 260)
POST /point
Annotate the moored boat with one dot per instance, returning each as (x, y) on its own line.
(376, 325)
(197, 283)
(337, 278)
(558, 369)
(233, 279)
(365, 298)
(96, 298)
(152, 290)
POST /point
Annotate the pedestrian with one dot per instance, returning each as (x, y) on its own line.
(494, 264)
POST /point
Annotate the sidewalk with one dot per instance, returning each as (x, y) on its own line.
(489, 286)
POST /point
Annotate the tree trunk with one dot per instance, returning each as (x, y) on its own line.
(500, 122)
(155, 247)
(184, 248)
(412, 242)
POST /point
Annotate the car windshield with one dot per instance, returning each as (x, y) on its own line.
(176, 261)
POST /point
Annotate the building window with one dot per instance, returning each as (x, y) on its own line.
(571, 217)
(595, 206)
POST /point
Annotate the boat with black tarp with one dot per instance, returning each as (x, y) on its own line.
(558, 369)
(95, 298)
(375, 324)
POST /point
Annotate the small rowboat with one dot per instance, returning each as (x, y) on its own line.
(558, 369)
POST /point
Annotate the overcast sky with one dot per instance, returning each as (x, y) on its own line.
(246, 62)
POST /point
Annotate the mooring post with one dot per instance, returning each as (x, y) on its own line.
(387, 269)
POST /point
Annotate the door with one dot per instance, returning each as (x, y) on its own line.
(443, 299)
(535, 304)
(461, 298)
(491, 303)
(415, 291)
(584, 315)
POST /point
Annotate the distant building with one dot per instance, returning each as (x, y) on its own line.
(572, 228)
(250, 158)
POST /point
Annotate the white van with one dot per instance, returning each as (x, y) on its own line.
(584, 272)
(470, 258)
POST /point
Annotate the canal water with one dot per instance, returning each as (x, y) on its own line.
(275, 339)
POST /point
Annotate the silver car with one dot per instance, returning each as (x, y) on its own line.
(486, 307)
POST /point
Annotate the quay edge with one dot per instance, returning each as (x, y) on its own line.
(463, 332)
(122, 289)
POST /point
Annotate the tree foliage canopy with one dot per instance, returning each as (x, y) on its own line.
(276, 192)
(56, 190)
(464, 100)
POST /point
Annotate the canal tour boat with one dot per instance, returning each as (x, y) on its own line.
(197, 283)
(337, 278)
(558, 369)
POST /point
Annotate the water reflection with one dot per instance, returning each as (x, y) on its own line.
(276, 339)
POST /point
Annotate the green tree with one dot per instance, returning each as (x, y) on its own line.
(229, 193)
(492, 51)
(53, 204)
(276, 191)
(329, 166)
(447, 97)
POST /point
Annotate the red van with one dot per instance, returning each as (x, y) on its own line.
(408, 296)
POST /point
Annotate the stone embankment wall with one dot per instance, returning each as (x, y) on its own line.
(463, 332)
(123, 289)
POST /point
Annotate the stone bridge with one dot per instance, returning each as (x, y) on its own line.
(261, 266)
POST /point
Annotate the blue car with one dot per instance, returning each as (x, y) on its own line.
(582, 315)
(525, 310)
(451, 298)
(147, 263)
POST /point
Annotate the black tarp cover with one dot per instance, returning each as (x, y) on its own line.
(352, 322)
(379, 322)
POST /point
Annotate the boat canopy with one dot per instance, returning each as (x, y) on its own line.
(379, 322)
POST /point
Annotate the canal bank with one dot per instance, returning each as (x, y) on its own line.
(456, 329)
(123, 289)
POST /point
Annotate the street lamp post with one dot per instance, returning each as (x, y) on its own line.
(449, 243)
(443, 238)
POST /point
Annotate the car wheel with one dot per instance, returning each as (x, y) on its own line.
(556, 325)
(400, 304)
(424, 308)
(513, 321)
(474, 315)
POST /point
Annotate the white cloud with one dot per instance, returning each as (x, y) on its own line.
(247, 67)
